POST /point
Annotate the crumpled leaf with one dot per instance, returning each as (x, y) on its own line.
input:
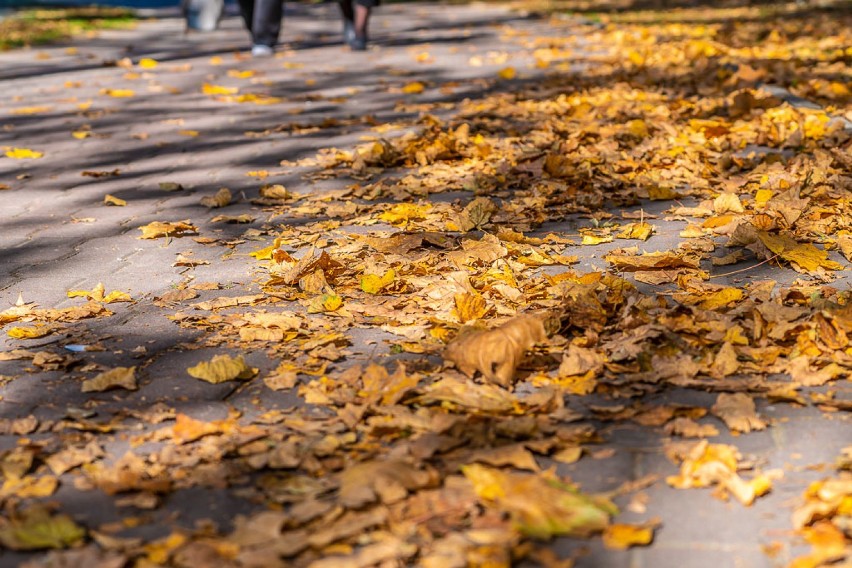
(39, 330)
(466, 394)
(496, 353)
(113, 200)
(803, 257)
(222, 368)
(540, 506)
(98, 294)
(652, 261)
(386, 480)
(220, 199)
(737, 410)
(37, 529)
(117, 378)
(158, 229)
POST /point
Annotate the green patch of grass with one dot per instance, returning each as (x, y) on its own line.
(35, 27)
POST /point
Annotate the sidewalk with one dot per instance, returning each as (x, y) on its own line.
(208, 116)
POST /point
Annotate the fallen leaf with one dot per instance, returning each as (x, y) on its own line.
(222, 368)
(158, 229)
(36, 529)
(540, 506)
(119, 377)
(113, 200)
(737, 410)
(621, 537)
(23, 154)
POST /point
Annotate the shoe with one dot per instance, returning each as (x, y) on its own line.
(358, 44)
(348, 31)
(260, 50)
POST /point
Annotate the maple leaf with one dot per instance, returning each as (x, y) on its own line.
(35, 528)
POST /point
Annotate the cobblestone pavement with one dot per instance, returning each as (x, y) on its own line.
(56, 235)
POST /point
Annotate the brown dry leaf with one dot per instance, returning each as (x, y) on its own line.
(737, 410)
(515, 455)
(496, 353)
(69, 458)
(387, 481)
(540, 506)
(220, 199)
(113, 200)
(803, 257)
(117, 378)
(652, 261)
(688, 428)
(158, 229)
(222, 368)
(465, 394)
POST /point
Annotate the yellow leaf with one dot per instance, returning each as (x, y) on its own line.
(540, 506)
(36, 529)
(209, 89)
(401, 213)
(762, 196)
(27, 487)
(413, 88)
(160, 550)
(148, 63)
(159, 229)
(23, 154)
(220, 199)
(118, 93)
(81, 134)
(260, 174)
(331, 302)
(507, 73)
(216, 60)
(638, 128)
(190, 133)
(621, 537)
(804, 257)
(32, 110)
(593, 240)
(30, 332)
(241, 74)
(113, 200)
(641, 231)
(373, 283)
(469, 307)
(119, 377)
(222, 368)
(257, 99)
(727, 203)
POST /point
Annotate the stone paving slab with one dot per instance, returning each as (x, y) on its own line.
(56, 235)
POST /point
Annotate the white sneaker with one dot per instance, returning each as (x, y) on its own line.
(260, 50)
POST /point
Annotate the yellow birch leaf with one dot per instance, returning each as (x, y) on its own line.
(507, 73)
(762, 196)
(248, 73)
(23, 154)
(117, 378)
(30, 332)
(727, 203)
(593, 240)
(29, 486)
(148, 63)
(113, 200)
(216, 60)
(118, 93)
(209, 89)
(641, 231)
(222, 368)
(81, 134)
(413, 88)
(622, 537)
(373, 283)
(190, 133)
(161, 550)
(401, 213)
(117, 296)
(31, 110)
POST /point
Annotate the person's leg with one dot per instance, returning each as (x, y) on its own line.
(266, 22)
(361, 22)
(348, 21)
(247, 12)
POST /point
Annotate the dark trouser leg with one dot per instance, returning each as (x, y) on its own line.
(346, 10)
(263, 19)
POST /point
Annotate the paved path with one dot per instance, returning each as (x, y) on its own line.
(56, 235)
